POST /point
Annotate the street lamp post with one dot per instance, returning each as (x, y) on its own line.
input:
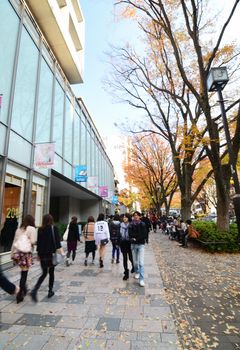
(216, 81)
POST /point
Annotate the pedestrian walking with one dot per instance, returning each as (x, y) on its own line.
(138, 235)
(114, 229)
(72, 238)
(48, 241)
(154, 222)
(90, 245)
(147, 222)
(21, 252)
(125, 245)
(8, 286)
(101, 236)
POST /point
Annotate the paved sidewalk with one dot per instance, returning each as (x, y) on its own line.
(204, 292)
(92, 309)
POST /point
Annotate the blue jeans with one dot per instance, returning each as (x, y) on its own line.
(138, 259)
(115, 248)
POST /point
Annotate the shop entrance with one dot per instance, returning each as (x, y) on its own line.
(12, 209)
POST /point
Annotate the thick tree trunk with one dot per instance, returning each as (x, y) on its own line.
(186, 205)
(223, 202)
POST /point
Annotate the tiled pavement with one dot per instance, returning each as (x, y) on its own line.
(92, 309)
(204, 292)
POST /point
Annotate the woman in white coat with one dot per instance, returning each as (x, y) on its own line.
(101, 236)
(21, 252)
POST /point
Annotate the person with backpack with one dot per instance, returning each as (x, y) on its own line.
(21, 252)
(114, 229)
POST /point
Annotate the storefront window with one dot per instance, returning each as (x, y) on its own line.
(33, 203)
(10, 215)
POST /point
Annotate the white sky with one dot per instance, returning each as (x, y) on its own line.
(101, 29)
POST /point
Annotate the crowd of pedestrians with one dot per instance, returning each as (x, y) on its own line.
(126, 233)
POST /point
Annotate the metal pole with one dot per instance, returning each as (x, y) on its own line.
(236, 197)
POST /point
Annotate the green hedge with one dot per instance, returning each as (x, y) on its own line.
(210, 233)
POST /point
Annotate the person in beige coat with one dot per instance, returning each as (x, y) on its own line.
(90, 245)
(21, 252)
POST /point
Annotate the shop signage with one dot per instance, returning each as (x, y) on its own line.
(92, 183)
(80, 173)
(103, 191)
(44, 155)
(114, 199)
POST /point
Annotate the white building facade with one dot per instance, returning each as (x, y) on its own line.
(42, 48)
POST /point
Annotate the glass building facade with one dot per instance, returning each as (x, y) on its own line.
(38, 106)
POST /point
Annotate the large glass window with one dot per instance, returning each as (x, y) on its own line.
(89, 168)
(8, 19)
(3, 130)
(76, 144)
(68, 131)
(19, 149)
(83, 143)
(93, 155)
(58, 117)
(24, 97)
(44, 104)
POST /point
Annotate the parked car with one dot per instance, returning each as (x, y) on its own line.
(210, 217)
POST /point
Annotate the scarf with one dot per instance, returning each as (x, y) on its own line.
(124, 231)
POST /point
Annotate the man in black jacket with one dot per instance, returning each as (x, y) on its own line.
(138, 236)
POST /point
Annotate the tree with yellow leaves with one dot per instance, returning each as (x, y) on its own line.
(169, 85)
(149, 167)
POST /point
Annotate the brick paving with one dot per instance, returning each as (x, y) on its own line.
(92, 309)
(203, 290)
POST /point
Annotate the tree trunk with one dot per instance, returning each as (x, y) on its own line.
(223, 202)
(186, 204)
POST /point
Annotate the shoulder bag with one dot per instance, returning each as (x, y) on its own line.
(65, 235)
(23, 243)
(57, 258)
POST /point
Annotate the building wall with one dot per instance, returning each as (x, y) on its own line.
(38, 106)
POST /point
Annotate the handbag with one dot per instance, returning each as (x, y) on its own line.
(104, 241)
(23, 244)
(57, 258)
(65, 235)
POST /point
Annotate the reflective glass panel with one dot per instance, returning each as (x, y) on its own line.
(24, 97)
(44, 104)
(8, 19)
(58, 118)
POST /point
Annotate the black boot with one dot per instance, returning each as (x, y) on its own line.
(132, 270)
(19, 296)
(33, 295)
(126, 275)
(23, 281)
(50, 293)
(100, 263)
(24, 290)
